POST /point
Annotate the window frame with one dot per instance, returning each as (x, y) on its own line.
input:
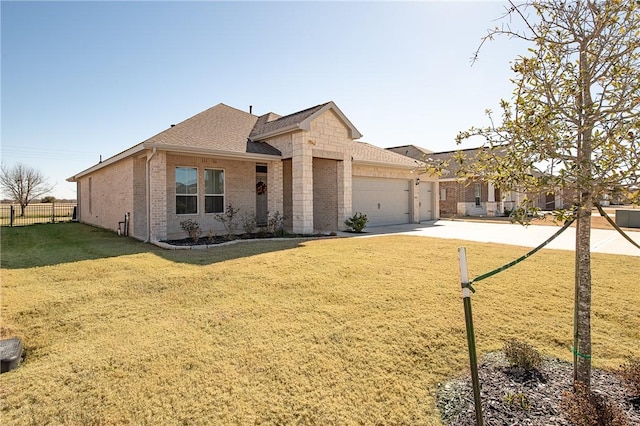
(214, 195)
(177, 194)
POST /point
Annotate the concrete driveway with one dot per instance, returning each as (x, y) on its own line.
(602, 241)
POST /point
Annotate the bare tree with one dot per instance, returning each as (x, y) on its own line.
(23, 184)
(573, 122)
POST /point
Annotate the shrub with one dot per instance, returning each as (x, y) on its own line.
(192, 228)
(228, 220)
(585, 408)
(357, 222)
(249, 223)
(629, 372)
(521, 354)
(517, 400)
(275, 224)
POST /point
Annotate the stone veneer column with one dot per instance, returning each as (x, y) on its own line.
(158, 196)
(492, 207)
(302, 184)
(275, 192)
(345, 194)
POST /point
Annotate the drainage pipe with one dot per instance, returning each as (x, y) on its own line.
(149, 157)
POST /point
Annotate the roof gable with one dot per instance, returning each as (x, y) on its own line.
(267, 127)
(219, 128)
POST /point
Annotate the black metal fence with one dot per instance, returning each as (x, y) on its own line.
(12, 214)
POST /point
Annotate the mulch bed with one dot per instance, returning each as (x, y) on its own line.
(512, 396)
(218, 239)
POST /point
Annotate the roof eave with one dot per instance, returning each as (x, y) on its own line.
(388, 165)
(212, 152)
(277, 132)
(172, 148)
(118, 157)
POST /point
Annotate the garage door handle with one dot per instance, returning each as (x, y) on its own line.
(378, 206)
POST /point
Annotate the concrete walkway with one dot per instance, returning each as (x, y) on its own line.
(602, 240)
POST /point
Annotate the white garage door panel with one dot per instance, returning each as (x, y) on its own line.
(384, 201)
(426, 200)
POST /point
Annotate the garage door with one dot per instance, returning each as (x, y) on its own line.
(426, 201)
(384, 201)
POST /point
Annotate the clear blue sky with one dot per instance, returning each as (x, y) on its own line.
(84, 79)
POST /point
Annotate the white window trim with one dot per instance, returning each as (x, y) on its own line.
(224, 190)
(188, 195)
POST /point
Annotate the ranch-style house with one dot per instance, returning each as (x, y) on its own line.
(308, 167)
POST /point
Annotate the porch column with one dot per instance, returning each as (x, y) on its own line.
(157, 208)
(345, 191)
(302, 185)
(275, 193)
(492, 207)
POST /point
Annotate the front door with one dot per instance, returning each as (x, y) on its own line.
(550, 203)
(261, 195)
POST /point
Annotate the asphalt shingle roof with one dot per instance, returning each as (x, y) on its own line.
(223, 129)
(220, 128)
(365, 152)
(264, 126)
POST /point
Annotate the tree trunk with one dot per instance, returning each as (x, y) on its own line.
(582, 299)
(582, 310)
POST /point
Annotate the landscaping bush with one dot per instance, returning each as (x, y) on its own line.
(629, 372)
(521, 354)
(249, 223)
(586, 408)
(192, 228)
(357, 222)
(228, 220)
(275, 224)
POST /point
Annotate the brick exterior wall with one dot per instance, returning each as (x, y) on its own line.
(287, 193)
(275, 191)
(325, 194)
(158, 196)
(449, 206)
(139, 219)
(239, 192)
(106, 195)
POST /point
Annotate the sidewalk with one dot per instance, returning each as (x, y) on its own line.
(602, 240)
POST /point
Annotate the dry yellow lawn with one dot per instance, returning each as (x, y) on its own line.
(335, 331)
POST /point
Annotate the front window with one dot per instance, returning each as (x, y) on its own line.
(186, 190)
(477, 194)
(213, 191)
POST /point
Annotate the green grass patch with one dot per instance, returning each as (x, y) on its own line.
(331, 331)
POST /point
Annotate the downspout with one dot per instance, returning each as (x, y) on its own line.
(153, 152)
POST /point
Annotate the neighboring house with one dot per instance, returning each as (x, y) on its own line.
(306, 166)
(474, 196)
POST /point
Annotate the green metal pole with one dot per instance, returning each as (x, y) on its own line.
(471, 341)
